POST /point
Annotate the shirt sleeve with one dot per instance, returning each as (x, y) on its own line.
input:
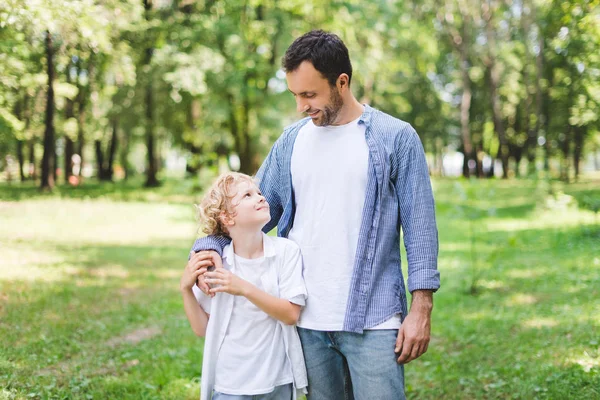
(269, 181)
(417, 214)
(216, 243)
(291, 279)
(202, 299)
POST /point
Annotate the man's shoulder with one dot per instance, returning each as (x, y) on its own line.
(386, 124)
(397, 135)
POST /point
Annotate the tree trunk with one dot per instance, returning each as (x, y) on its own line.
(112, 150)
(192, 115)
(81, 109)
(49, 151)
(530, 129)
(69, 145)
(69, 151)
(18, 111)
(465, 103)
(21, 159)
(32, 162)
(494, 83)
(81, 134)
(546, 118)
(580, 132)
(151, 180)
(124, 153)
(565, 147)
(151, 169)
(99, 160)
(246, 156)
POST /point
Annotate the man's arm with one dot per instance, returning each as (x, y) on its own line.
(417, 218)
(269, 181)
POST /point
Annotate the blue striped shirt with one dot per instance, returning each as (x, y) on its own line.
(398, 195)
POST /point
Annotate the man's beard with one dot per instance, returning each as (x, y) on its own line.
(330, 112)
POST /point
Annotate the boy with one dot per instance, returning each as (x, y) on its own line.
(252, 349)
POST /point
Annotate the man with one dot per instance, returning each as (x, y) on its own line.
(341, 183)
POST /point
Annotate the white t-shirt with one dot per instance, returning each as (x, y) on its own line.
(329, 176)
(252, 357)
(246, 351)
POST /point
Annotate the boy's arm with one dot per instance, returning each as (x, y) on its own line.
(192, 298)
(195, 314)
(280, 309)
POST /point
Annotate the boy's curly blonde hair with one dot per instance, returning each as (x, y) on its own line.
(217, 201)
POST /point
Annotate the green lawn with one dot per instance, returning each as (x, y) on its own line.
(90, 308)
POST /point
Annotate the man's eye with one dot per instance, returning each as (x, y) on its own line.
(247, 195)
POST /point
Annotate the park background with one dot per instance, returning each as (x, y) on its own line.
(116, 115)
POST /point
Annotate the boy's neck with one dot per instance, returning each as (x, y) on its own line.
(247, 244)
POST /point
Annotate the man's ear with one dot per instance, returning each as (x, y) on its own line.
(343, 81)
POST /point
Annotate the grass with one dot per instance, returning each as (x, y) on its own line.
(89, 306)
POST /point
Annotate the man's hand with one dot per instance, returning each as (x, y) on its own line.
(209, 258)
(227, 282)
(414, 334)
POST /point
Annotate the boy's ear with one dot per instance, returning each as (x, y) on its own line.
(226, 219)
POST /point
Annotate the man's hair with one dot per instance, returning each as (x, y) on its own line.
(217, 203)
(326, 52)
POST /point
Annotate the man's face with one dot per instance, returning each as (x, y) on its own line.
(314, 96)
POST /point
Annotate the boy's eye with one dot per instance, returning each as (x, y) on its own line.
(247, 195)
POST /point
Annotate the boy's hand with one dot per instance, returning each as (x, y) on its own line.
(228, 282)
(214, 259)
(194, 269)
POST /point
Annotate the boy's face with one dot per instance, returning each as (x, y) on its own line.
(250, 208)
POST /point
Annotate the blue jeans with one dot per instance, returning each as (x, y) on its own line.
(283, 392)
(347, 365)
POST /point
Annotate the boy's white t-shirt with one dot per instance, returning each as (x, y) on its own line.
(246, 351)
(329, 176)
(252, 357)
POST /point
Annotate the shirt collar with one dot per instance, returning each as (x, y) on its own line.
(268, 248)
(365, 117)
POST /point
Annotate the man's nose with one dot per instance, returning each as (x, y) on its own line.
(301, 105)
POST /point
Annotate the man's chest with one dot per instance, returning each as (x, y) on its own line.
(330, 161)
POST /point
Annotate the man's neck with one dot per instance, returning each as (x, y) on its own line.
(351, 110)
(247, 244)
